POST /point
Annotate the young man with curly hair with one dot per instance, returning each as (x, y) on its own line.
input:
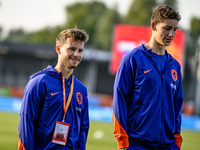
(148, 90)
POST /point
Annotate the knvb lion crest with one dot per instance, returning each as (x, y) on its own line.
(79, 97)
(174, 74)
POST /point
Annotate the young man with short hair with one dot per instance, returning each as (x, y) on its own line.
(148, 90)
(54, 112)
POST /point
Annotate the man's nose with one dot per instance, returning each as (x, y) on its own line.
(172, 33)
(77, 53)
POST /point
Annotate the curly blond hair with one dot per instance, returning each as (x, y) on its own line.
(163, 12)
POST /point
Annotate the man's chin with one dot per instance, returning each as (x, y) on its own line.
(167, 44)
(73, 66)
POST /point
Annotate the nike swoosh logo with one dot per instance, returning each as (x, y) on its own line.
(52, 94)
(147, 71)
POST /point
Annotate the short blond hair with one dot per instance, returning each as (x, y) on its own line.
(163, 12)
(74, 33)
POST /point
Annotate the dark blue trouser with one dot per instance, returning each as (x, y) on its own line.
(140, 146)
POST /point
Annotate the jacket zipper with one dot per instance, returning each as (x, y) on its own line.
(162, 76)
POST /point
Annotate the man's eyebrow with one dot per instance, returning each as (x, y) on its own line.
(73, 47)
(171, 27)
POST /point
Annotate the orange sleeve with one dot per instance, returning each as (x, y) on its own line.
(20, 145)
(179, 140)
(120, 134)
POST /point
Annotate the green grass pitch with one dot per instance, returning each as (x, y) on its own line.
(100, 135)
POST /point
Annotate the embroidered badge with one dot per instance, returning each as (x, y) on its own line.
(79, 97)
(174, 74)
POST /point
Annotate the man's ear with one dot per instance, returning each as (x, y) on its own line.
(58, 49)
(153, 26)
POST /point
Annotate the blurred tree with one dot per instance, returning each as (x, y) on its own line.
(172, 3)
(16, 35)
(194, 35)
(94, 17)
(195, 27)
(104, 29)
(46, 35)
(140, 12)
(85, 16)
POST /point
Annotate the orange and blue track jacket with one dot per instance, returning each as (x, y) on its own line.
(42, 106)
(147, 103)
